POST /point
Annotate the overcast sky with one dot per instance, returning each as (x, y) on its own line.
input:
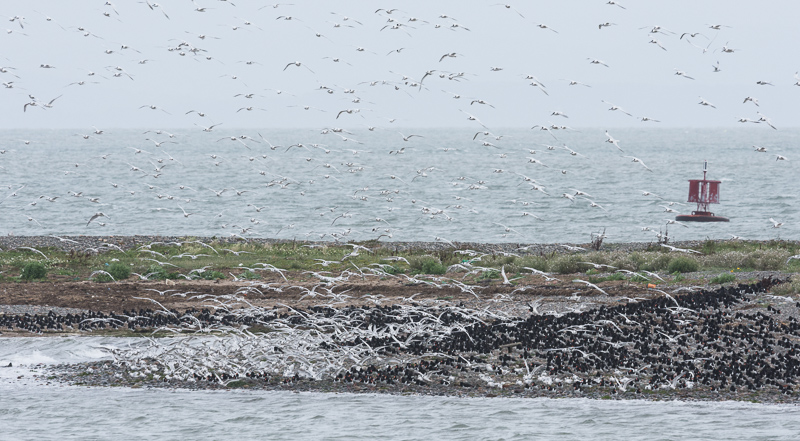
(167, 65)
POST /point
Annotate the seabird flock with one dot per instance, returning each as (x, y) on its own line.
(359, 76)
(360, 93)
(714, 342)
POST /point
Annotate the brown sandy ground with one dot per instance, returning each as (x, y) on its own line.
(273, 290)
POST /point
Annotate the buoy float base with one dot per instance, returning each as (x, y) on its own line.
(701, 216)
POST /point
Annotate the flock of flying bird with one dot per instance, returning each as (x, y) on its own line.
(386, 180)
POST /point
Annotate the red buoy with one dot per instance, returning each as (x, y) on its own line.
(704, 192)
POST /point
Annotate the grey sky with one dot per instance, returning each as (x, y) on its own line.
(640, 78)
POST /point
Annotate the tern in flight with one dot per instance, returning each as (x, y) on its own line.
(95, 216)
(298, 64)
(509, 7)
(706, 103)
(406, 138)
(611, 140)
(596, 61)
(635, 159)
(614, 107)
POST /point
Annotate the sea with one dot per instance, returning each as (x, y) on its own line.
(517, 185)
(37, 408)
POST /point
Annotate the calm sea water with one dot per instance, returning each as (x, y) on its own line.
(32, 409)
(444, 184)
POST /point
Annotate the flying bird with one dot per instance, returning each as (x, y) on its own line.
(95, 216)
(509, 7)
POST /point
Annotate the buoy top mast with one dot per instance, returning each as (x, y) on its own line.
(703, 192)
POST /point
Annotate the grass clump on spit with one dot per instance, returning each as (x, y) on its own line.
(209, 275)
(426, 265)
(489, 275)
(638, 278)
(759, 260)
(746, 246)
(116, 272)
(247, 275)
(119, 271)
(33, 271)
(608, 278)
(724, 278)
(566, 264)
(252, 261)
(156, 272)
(787, 289)
(683, 264)
(102, 277)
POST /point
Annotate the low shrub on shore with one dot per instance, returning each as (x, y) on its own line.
(639, 260)
(760, 260)
(566, 264)
(535, 262)
(210, 275)
(787, 289)
(746, 246)
(728, 259)
(115, 272)
(659, 262)
(724, 278)
(768, 260)
(609, 278)
(489, 275)
(393, 270)
(102, 277)
(156, 272)
(628, 261)
(426, 265)
(683, 264)
(33, 271)
(119, 271)
(247, 275)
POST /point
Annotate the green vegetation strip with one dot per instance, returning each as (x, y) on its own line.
(250, 261)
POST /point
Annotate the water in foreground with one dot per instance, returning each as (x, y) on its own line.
(31, 408)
